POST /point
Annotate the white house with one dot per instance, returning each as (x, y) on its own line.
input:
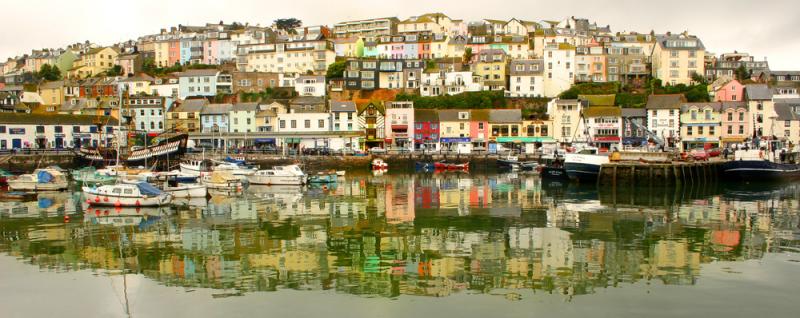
(399, 124)
(525, 78)
(447, 83)
(344, 118)
(566, 116)
(20, 131)
(663, 116)
(559, 68)
(314, 122)
(197, 83)
(310, 85)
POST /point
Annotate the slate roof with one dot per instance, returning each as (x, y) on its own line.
(343, 106)
(306, 100)
(668, 101)
(426, 115)
(733, 105)
(202, 72)
(716, 106)
(757, 92)
(216, 109)
(505, 115)
(191, 105)
(784, 111)
(634, 112)
(245, 107)
(452, 114)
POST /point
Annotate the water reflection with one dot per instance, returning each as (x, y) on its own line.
(434, 235)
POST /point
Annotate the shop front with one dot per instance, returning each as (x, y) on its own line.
(733, 142)
(607, 142)
(524, 144)
(702, 142)
(456, 144)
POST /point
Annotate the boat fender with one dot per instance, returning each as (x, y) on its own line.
(96, 199)
(88, 201)
(66, 219)
(117, 204)
(105, 199)
(137, 203)
(324, 188)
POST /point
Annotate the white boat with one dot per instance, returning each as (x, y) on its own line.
(40, 180)
(235, 169)
(223, 181)
(584, 165)
(379, 164)
(341, 173)
(126, 195)
(186, 190)
(279, 175)
(194, 167)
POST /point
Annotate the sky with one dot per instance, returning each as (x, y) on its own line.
(764, 28)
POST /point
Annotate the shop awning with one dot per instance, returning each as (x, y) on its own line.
(733, 139)
(454, 139)
(525, 139)
(607, 138)
(265, 140)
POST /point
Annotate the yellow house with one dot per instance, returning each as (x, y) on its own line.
(185, 117)
(94, 62)
(491, 68)
(427, 23)
(52, 93)
(161, 49)
(676, 58)
(138, 85)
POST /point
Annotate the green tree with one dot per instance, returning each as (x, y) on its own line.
(698, 78)
(467, 55)
(288, 24)
(742, 73)
(49, 73)
(336, 69)
(114, 71)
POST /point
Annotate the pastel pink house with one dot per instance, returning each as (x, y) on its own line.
(731, 91)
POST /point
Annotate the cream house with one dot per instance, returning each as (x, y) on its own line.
(676, 58)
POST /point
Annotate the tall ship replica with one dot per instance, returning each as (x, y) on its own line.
(159, 150)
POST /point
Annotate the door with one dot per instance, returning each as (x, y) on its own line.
(59, 142)
(16, 143)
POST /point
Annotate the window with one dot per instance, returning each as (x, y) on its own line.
(730, 116)
(321, 123)
(294, 123)
(699, 130)
(708, 114)
(282, 124)
(694, 115)
(39, 129)
(308, 123)
(711, 130)
(741, 129)
(730, 130)
(688, 130)
(58, 129)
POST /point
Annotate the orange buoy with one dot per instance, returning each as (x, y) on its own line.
(117, 204)
(96, 199)
(105, 199)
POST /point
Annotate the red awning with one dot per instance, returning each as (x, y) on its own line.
(389, 140)
(399, 127)
(607, 138)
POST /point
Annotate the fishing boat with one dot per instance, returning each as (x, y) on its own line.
(17, 196)
(40, 180)
(323, 177)
(195, 167)
(585, 164)
(450, 166)
(90, 176)
(279, 175)
(223, 181)
(553, 172)
(379, 164)
(509, 162)
(760, 165)
(126, 195)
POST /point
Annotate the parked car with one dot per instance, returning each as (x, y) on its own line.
(714, 152)
(377, 150)
(699, 154)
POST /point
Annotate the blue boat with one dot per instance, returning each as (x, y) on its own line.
(756, 165)
(323, 177)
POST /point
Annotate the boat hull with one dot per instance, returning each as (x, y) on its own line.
(554, 173)
(584, 167)
(187, 191)
(93, 197)
(276, 180)
(15, 185)
(759, 170)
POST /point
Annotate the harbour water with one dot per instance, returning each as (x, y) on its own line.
(443, 245)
